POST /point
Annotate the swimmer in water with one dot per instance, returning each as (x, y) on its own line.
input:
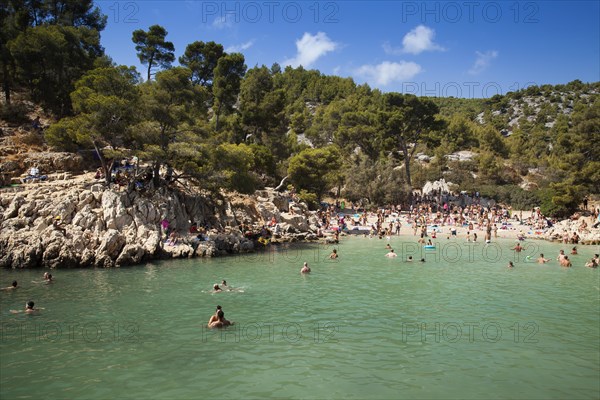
(391, 254)
(592, 263)
(565, 262)
(561, 256)
(510, 264)
(574, 250)
(333, 254)
(216, 288)
(224, 283)
(14, 285)
(541, 259)
(221, 322)
(305, 268)
(213, 317)
(28, 308)
(409, 259)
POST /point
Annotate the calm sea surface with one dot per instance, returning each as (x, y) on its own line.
(460, 325)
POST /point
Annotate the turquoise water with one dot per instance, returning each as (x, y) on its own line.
(363, 326)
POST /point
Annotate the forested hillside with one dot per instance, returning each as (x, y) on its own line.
(225, 126)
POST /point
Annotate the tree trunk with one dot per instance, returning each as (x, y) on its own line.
(105, 167)
(407, 158)
(156, 174)
(217, 117)
(407, 169)
(150, 63)
(6, 83)
(281, 183)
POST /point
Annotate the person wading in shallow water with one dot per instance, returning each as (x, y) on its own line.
(220, 321)
(305, 268)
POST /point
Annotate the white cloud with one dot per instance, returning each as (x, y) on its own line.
(387, 72)
(221, 23)
(483, 61)
(416, 41)
(236, 48)
(310, 49)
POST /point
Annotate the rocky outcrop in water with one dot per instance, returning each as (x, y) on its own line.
(82, 223)
(587, 234)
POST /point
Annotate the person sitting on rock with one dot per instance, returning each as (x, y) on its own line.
(57, 224)
(173, 239)
(34, 174)
(99, 173)
(36, 125)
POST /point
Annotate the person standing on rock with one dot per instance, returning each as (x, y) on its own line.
(165, 227)
(57, 224)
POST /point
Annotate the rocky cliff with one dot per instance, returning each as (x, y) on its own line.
(78, 222)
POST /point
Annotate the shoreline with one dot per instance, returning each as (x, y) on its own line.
(77, 222)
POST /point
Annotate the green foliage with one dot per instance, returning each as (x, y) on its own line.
(548, 205)
(202, 58)
(70, 29)
(264, 162)
(262, 110)
(460, 133)
(169, 106)
(512, 195)
(310, 199)
(315, 170)
(234, 163)
(226, 84)
(153, 50)
(63, 134)
(105, 100)
(50, 58)
(408, 120)
(491, 140)
(450, 106)
(488, 168)
(14, 113)
(379, 182)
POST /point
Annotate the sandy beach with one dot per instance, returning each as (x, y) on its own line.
(512, 230)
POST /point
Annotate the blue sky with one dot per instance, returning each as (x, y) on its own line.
(437, 48)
